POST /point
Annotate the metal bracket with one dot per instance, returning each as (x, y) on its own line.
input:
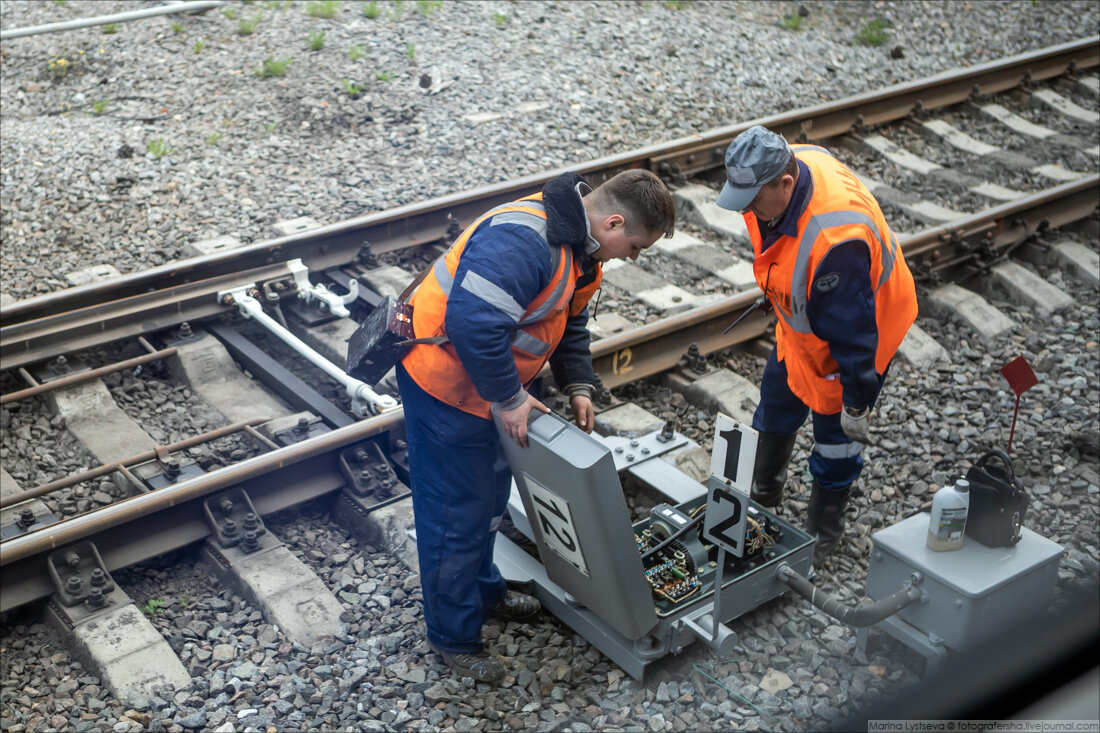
(370, 475)
(62, 366)
(304, 429)
(694, 364)
(84, 587)
(26, 521)
(234, 522)
(629, 452)
(172, 472)
(319, 294)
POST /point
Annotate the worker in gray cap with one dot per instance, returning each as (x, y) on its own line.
(844, 299)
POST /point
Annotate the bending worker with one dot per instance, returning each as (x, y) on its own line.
(510, 293)
(844, 299)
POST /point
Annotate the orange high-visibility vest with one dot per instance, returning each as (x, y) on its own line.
(437, 368)
(839, 209)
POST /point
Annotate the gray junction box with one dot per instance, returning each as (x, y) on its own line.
(969, 595)
(589, 571)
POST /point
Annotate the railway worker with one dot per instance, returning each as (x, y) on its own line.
(510, 293)
(844, 298)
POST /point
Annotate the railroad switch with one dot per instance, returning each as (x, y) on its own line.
(84, 587)
(305, 428)
(235, 523)
(27, 520)
(62, 366)
(372, 482)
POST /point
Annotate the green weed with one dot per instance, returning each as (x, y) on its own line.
(271, 127)
(229, 13)
(500, 18)
(213, 139)
(352, 89)
(397, 9)
(316, 40)
(322, 8)
(371, 10)
(187, 599)
(158, 148)
(271, 67)
(791, 21)
(874, 32)
(177, 27)
(355, 53)
(427, 7)
(110, 28)
(99, 106)
(248, 27)
(674, 4)
(383, 76)
(152, 607)
(199, 44)
(410, 51)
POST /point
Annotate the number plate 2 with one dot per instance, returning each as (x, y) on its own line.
(553, 522)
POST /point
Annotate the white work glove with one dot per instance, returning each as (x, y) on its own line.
(854, 423)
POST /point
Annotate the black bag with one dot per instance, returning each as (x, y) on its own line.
(380, 341)
(385, 336)
(997, 501)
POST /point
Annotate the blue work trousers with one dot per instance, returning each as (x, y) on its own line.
(836, 459)
(460, 487)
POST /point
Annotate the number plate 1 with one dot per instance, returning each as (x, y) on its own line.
(554, 522)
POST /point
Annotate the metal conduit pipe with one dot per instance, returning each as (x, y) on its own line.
(68, 25)
(155, 454)
(135, 507)
(85, 376)
(855, 617)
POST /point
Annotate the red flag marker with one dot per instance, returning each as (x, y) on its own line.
(1021, 378)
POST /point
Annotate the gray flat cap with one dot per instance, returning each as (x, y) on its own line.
(755, 157)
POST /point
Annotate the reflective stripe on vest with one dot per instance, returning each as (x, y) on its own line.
(799, 321)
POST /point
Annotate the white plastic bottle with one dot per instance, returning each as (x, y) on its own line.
(949, 508)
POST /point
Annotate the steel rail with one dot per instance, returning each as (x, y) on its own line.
(44, 326)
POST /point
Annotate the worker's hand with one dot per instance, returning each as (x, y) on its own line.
(583, 414)
(515, 421)
(854, 423)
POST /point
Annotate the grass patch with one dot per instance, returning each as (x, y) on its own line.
(110, 28)
(316, 40)
(99, 106)
(248, 27)
(272, 67)
(791, 21)
(410, 51)
(199, 44)
(427, 7)
(322, 8)
(355, 52)
(371, 10)
(213, 139)
(159, 149)
(383, 76)
(501, 19)
(873, 33)
(351, 88)
(177, 27)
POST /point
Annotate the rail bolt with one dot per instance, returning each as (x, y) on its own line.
(229, 528)
(60, 365)
(185, 330)
(251, 542)
(171, 469)
(361, 455)
(696, 361)
(99, 578)
(95, 598)
(667, 432)
(251, 523)
(385, 488)
(26, 518)
(400, 444)
(72, 559)
(74, 585)
(302, 426)
(366, 476)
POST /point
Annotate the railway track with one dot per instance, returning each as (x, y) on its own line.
(964, 210)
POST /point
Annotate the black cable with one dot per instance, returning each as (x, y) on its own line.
(675, 536)
(855, 617)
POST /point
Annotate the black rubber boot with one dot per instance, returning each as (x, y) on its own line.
(769, 476)
(825, 518)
